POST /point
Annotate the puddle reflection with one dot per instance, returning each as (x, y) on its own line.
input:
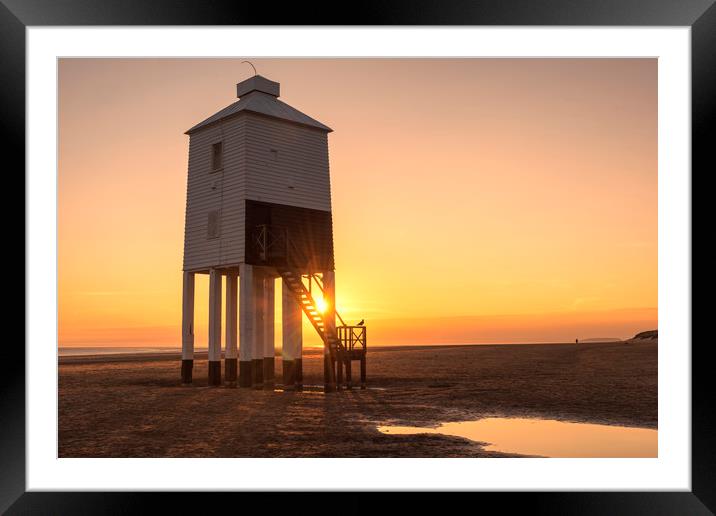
(546, 437)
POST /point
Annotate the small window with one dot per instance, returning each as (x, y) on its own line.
(273, 153)
(213, 224)
(217, 156)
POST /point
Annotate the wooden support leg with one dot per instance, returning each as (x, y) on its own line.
(230, 371)
(246, 323)
(349, 378)
(269, 364)
(269, 367)
(329, 317)
(187, 335)
(291, 343)
(257, 373)
(298, 365)
(259, 330)
(288, 374)
(187, 367)
(214, 327)
(339, 373)
(329, 378)
(231, 345)
(362, 372)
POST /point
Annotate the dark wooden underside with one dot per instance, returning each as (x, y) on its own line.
(310, 232)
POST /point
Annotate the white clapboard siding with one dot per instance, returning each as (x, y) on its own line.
(300, 161)
(223, 191)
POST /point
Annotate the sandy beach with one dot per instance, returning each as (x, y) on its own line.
(134, 405)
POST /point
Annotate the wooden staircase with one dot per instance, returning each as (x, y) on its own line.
(344, 343)
(292, 279)
(274, 247)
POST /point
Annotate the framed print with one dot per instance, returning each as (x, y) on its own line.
(431, 251)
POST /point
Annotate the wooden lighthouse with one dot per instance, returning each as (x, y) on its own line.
(258, 208)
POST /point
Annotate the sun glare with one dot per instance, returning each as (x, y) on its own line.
(321, 304)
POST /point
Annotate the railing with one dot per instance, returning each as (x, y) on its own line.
(272, 245)
(270, 242)
(352, 337)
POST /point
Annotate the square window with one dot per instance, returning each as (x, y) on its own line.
(213, 224)
(217, 156)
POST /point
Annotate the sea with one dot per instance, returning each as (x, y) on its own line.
(76, 351)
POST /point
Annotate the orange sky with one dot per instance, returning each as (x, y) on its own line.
(474, 200)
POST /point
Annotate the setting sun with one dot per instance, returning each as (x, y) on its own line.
(321, 304)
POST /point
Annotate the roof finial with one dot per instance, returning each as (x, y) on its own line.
(252, 66)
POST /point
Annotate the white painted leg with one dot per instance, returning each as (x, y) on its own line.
(231, 348)
(257, 353)
(187, 324)
(298, 347)
(214, 327)
(329, 295)
(292, 337)
(269, 332)
(247, 317)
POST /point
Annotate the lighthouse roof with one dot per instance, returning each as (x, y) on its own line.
(260, 95)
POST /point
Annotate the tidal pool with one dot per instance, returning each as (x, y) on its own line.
(546, 437)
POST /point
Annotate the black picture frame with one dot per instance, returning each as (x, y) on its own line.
(17, 15)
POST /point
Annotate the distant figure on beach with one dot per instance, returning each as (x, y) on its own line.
(576, 341)
(362, 321)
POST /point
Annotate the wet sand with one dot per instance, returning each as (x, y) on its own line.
(134, 405)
